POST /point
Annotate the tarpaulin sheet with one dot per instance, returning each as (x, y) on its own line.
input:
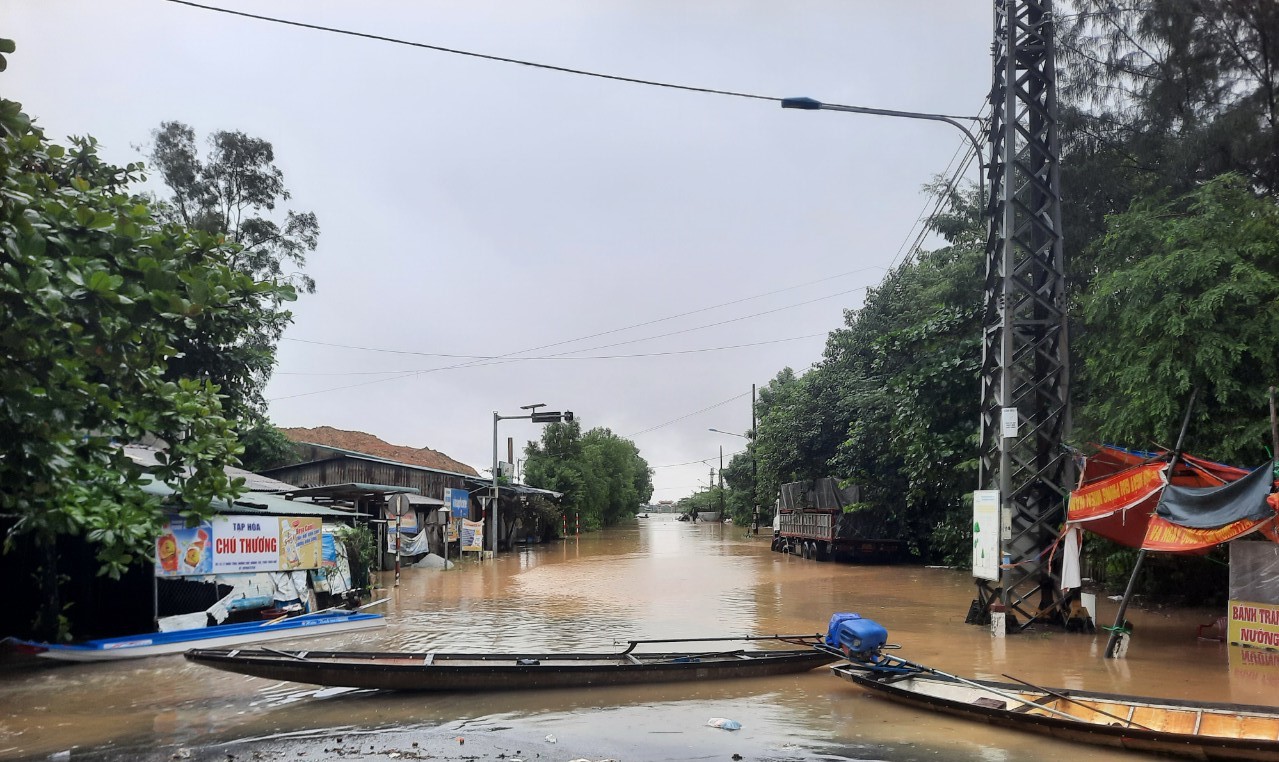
(817, 494)
(1212, 507)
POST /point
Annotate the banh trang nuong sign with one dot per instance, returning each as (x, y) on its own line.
(1254, 595)
(238, 545)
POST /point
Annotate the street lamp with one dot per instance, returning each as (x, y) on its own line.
(535, 417)
(731, 434)
(809, 104)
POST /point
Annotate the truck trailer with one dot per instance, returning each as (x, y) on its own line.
(819, 519)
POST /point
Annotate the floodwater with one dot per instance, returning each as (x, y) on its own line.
(658, 579)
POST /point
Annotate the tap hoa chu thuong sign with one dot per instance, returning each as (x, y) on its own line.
(237, 545)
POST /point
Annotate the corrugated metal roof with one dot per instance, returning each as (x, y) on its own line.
(259, 502)
(424, 500)
(265, 502)
(352, 490)
(371, 458)
(519, 489)
(146, 456)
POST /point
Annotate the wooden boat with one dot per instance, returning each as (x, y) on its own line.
(1199, 730)
(506, 671)
(177, 641)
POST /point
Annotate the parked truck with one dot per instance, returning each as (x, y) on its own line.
(821, 520)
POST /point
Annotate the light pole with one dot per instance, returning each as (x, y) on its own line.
(535, 417)
(809, 104)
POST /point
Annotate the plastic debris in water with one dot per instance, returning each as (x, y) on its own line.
(723, 724)
(550, 739)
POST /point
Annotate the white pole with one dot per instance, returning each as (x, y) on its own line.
(496, 418)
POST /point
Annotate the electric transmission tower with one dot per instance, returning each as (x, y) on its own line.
(1025, 383)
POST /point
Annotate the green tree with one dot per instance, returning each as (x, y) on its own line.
(233, 191)
(266, 447)
(740, 482)
(97, 296)
(1161, 96)
(555, 463)
(1192, 302)
(602, 476)
(892, 405)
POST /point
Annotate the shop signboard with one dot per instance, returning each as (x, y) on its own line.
(237, 545)
(1253, 617)
(472, 535)
(459, 502)
(1254, 625)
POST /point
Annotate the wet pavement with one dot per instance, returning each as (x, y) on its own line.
(657, 579)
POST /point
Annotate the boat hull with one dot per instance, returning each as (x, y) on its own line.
(1241, 731)
(179, 641)
(491, 672)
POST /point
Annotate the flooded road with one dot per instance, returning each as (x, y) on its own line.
(658, 579)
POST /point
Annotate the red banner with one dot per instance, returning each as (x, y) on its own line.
(1116, 493)
(1170, 538)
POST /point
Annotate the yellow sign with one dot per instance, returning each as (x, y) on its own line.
(1254, 625)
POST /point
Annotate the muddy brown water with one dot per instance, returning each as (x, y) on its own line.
(658, 579)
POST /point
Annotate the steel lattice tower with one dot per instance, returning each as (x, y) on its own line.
(1025, 365)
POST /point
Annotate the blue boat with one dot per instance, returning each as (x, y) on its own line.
(178, 641)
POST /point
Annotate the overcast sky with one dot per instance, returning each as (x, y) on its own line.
(476, 208)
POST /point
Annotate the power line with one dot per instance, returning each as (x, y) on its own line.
(690, 415)
(969, 152)
(489, 57)
(703, 460)
(504, 359)
(717, 324)
(693, 312)
(553, 357)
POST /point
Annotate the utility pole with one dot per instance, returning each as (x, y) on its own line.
(754, 467)
(721, 482)
(710, 486)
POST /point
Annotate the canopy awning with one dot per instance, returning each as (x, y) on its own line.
(515, 489)
(1129, 497)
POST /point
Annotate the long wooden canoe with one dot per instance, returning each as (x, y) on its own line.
(178, 641)
(503, 671)
(1199, 730)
